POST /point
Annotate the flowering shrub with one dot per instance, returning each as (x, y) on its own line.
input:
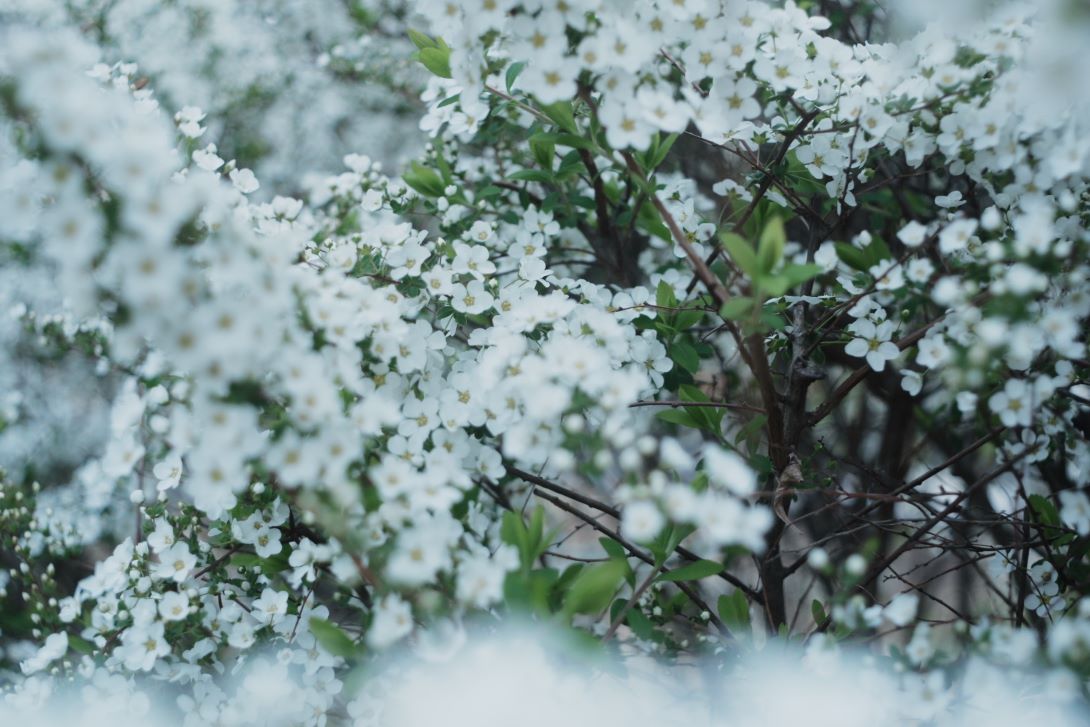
(693, 326)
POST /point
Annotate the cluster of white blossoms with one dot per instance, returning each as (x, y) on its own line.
(286, 84)
(341, 405)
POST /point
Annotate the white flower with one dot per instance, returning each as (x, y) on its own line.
(912, 234)
(1013, 403)
(919, 649)
(481, 576)
(911, 382)
(270, 607)
(162, 537)
(141, 646)
(872, 343)
(902, 609)
(471, 299)
(175, 563)
(173, 606)
(1075, 511)
(933, 351)
(728, 470)
(168, 472)
(392, 621)
(55, 646)
(244, 180)
(641, 521)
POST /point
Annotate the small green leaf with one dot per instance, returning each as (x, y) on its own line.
(639, 623)
(1045, 510)
(661, 151)
(562, 115)
(613, 549)
(664, 296)
(799, 274)
(678, 416)
(425, 181)
(686, 356)
(688, 392)
(80, 645)
(331, 638)
(686, 319)
(420, 40)
(667, 541)
(737, 308)
(693, 571)
(436, 60)
(770, 247)
(543, 150)
(734, 611)
(817, 611)
(852, 256)
(512, 74)
(594, 587)
(530, 175)
(742, 253)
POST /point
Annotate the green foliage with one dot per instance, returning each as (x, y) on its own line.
(332, 638)
(432, 53)
(594, 588)
(693, 571)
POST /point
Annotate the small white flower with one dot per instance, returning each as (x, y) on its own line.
(244, 180)
(641, 521)
(873, 343)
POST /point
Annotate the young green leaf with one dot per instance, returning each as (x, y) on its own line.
(737, 308)
(742, 253)
(734, 611)
(331, 638)
(693, 571)
(593, 589)
(436, 60)
(770, 247)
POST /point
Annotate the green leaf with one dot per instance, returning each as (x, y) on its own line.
(852, 256)
(678, 416)
(693, 571)
(529, 539)
(817, 611)
(331, 638)
(667, 541)
(686, 356)
(593, 589)
(639, 623)
(562, 115)
(80, 644)
(425, 181)
(686, 319)
(543, 149)
(688, 392)
(770, 247)
(742, 253)
(613, 549)
(569, 140)
(436, 60)
(799, 274)
(664, 295)
(530, 175)
(737, 308)
(512, 74)
(734, 611)
(661, 151)
(1045, 510)
(420, 40)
